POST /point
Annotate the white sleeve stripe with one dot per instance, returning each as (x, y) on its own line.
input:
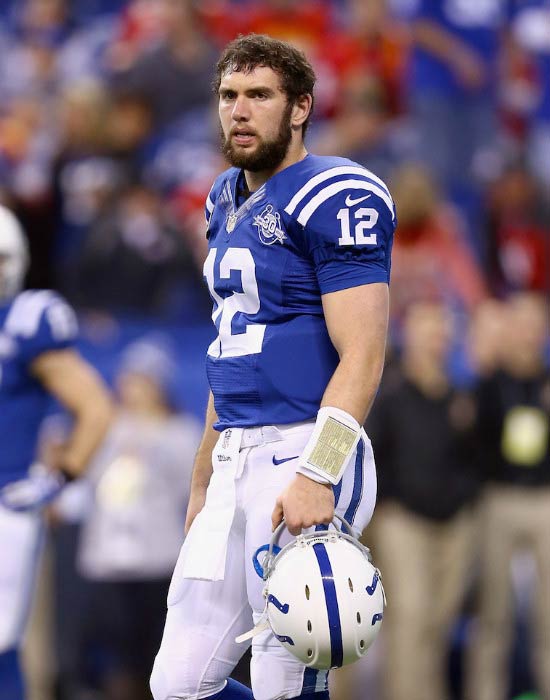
(329, 174)
(209, 205)
(330, 190)
(24, 316)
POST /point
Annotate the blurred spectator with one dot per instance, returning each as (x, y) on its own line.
(304, 23)
(173, 73)
(309, 25)
(514, 425)
(83, 175)
(422, 533)
(486, 337)
(373, 45)
(360, 129)
(38, 31)
(517, 234)
(452, 90)
(369, 55)
(530, 38)
(133, 526)
(133, 258)
(431, 257)
(139, 26)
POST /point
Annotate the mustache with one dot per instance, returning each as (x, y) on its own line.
(236, 130)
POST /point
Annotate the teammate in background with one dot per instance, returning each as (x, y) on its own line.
(37, 362)
(298, 269)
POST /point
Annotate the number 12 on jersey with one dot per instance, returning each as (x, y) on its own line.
(229, 343)
(367, 218)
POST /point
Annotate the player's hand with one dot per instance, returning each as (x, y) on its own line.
(304, 503)
(38, 489)
(196, 504)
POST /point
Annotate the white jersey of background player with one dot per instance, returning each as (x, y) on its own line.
(298, 269)
(37, 362)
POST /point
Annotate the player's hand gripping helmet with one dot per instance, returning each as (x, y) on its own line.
(14, 256)
(325, 599)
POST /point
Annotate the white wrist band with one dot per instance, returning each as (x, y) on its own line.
(330, 447)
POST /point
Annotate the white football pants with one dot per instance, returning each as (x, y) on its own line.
(198, 650)
(20, 540)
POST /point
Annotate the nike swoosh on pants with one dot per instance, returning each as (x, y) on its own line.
(276, 461)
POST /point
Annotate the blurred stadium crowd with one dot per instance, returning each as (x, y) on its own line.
(108, 148)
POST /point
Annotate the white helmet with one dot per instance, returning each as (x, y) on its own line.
(14, 254)
(325, 599)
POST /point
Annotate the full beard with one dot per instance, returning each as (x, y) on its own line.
(267, 156)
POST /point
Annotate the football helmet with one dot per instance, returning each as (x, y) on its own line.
(324, 597)
(14, 254)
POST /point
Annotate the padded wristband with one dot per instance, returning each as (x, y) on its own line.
(330, 447)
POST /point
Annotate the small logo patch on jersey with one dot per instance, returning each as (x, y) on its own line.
(276, 461)
(269, 226)
(231, 222)
(352, 202)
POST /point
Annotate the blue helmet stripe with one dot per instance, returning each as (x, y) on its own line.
(337, 652)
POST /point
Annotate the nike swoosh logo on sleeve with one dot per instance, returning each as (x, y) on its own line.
(352, 202)
(276, 461)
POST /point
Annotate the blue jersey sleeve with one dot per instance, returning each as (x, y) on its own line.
(348, 227)
(42, 321)
(209, 204)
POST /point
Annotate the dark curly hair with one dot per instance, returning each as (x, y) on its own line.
(250, 51)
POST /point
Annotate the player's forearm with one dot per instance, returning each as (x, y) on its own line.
(354, 384)
(441, 43)
(202, 469)
(92, 421)
(81, 391)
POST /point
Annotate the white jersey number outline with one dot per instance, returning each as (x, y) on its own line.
(367, 219)
(229, 344)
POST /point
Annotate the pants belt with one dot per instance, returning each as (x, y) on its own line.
(263, 435)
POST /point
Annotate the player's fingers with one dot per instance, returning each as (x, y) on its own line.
(294, 530)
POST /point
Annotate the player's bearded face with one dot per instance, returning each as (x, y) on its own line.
(269, 152)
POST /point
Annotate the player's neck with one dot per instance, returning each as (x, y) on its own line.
(255, 180)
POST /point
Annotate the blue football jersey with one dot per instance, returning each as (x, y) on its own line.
(32, 323)
(321, 225)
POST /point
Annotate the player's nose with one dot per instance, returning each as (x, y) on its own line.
(241, 111)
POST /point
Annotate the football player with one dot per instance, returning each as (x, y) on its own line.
(38, 361)
(298, 270)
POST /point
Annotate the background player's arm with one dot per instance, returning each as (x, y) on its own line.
(357, 320)
(462, 60)
(202, 469)
(73, 382)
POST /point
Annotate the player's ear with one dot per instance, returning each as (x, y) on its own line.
(300, 110)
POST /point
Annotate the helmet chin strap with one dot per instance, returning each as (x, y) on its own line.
(260, 626)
